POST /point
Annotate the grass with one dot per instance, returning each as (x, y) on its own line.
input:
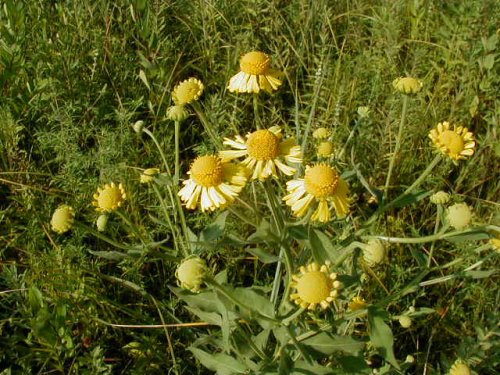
(76, 76)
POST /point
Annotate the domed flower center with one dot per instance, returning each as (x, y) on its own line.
(453, 141)
(314, 287)
(62, 219)
(255, 63)
(207, 171)
(187, 91)
(110, 198)
(263, 145)
(321, 181)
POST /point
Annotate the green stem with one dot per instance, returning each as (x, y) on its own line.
(438, 236)
(436, 227)
(398, 144)
(169, 222)
(100, 236)
(424, 174)
(151, 135)
(256, 110)
(131, 226)
(176, 140)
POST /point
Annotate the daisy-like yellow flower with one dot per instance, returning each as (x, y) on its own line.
(109, 198)
(407, 85)
(456, 144)
(315, 285)
(357, 303)
(213, 183)
(255, 74)
(325, 149)
(460, 368)
(264, 150)
(187, 91)
(62, 219)
(323, 185)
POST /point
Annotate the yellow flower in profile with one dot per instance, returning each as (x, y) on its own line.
(62, 219)
(147, 175)
(264, 150)
(109, 198)
(191, 273)
(456, 144)
(407, 85)
(187, 91)
(323, 185)
(315, 285)
(325, 149)
(213, 183)
(321, 133)
(357, 303)
(460, 368)
(255, 74)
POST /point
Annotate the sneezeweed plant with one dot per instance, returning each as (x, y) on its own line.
(440, 197)
(457, 143)
(321, 188)
(321, 133)
(265, 153)
(109, 198)
(255, 74)
(325, 149)
(357, 303)
(315, 286)
(213, 183)
(62, 219)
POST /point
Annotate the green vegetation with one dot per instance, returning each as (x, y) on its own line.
(76, 76)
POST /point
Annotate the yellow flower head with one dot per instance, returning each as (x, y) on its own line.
(187, 91)
(407, 85)
(315, 285)
(459, 216)
(177, 113)
(109, 198)
(460, 368)
(213, 183)
(191, 272)
(325, 149)
(374, 252)
(255, 74)
(323, 185)
(357, 303)
(441, 197)
(147, 175)
(264, 150)
(456, 144)
(321, 133)
(62, 219)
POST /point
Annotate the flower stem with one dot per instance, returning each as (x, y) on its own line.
(438, 236)
(424, 174)
(436, 227)
(176, 140)
(256, 110)
(398, 144)
(208, 128)
(151, 135)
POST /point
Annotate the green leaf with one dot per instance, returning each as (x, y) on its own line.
(263, 255)
(321, 246)
(221, 363)
(286, 364)
(209, 317)
(407, 199)
(215, 230)
(35, 299)
(110, 255)
(328, 344)
(144, 79)
(381, 334)
(257, 303)
(354, 365)
(305, 368)
(263, 234)
(473, 235)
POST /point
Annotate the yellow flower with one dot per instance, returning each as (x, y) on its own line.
(187, 91)
(147, 175)
(177, 113)
(460, 368)
(325, 149)
(315, 285)
(441, 197)
(323, 185)
(374, 252)
(459, 216)
(321, 133)
(255, 75)
(407, 85)
(213, 183)
(357, 303)
(191, 272)
(456, 144)
(109, 198)
(62, 219)
(263, 150)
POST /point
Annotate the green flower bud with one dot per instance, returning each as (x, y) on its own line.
(191, 272)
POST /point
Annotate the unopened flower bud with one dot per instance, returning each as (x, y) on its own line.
(459, 216)
(191, 272)
(62, 219)
(321, 133)
(405, 321)
(138, 125)
(407, 85)
(101, 222)
(177, 113)
(374, 252)
(147, 175)
(325, 149)
(440, 197)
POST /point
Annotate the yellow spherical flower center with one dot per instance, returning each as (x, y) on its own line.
(314, 287)
(263, 145)
(452, 141)
(187, 91)
(110, 198)
(207, 171)
(255, 63)
(62, 219)
(321, 181)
